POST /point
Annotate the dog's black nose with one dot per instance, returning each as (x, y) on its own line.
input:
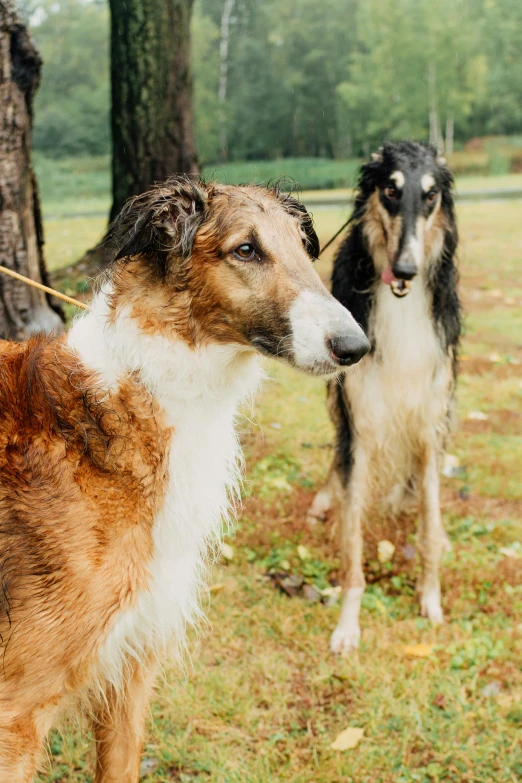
(349, 349)
(404, 270)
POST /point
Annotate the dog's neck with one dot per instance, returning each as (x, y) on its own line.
(110, 342)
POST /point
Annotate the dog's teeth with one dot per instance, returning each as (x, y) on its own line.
(400, 287)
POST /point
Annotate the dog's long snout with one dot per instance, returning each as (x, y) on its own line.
(349, 348)
(325, 335)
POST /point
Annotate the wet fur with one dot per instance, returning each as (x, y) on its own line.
(393, 414)
(119, 461)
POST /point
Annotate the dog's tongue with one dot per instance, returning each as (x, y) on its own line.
(387, 276)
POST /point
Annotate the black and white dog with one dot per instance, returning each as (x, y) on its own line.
(396, 274)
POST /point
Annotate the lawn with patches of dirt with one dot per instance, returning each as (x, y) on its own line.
(262, 699)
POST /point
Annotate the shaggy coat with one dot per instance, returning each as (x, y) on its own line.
(119, 459)
(396, 274)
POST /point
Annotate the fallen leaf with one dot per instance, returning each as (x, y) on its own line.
(408, 552)
(385, 551)
(439, 701)
(492, 688)
(510, 301)
(496, 293)
(311, 594)
(288, 583)
(508, 698)
(495, 358)
(477, 416)
(330, 595)
(332, 590)
(227, 551)
(275, 425)
(303, 552)
(451, 467)
(217, 588)
(348, 739)
(148, 766)
(285, 565)
(418, 650)
(507, 552)
(280, 482)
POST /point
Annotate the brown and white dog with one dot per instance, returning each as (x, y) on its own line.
(118, 455)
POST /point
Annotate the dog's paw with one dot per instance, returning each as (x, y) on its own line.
(345, 640)
(430, 606)
(320, 507)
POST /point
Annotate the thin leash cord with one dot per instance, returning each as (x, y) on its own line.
(45, 288)
(333, 238)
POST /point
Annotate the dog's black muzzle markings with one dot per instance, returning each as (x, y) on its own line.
(405, 269)
(405, 266)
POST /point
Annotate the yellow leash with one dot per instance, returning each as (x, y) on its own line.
(45, 288)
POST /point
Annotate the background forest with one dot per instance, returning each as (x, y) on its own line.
(306, 79)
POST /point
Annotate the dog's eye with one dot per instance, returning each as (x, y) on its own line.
(431, 195)
(246, 252)
(391, 192)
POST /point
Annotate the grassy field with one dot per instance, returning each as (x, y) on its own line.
(262, 699)
(81, 186)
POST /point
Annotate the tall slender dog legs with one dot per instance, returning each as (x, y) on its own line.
(346, 635)
(431, 538)
(119, 729)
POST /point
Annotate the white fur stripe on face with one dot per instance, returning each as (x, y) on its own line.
(427, 182)
(316, 318)
(398, 178)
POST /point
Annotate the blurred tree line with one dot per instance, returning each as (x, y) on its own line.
(329, 78)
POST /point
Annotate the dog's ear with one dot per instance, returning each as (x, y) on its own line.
(160, 223)
(298, 210)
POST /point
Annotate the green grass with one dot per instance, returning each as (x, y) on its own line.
(263, 699)
(82, 186)
(309, 173)
(74, 186)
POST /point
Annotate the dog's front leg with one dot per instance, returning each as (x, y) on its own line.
(432, 541)
(119, 727)
(352, 508)
(20, 750)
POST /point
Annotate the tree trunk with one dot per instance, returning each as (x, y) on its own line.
(435, 131)
(223, 75)
(152, 117)
(23, 310)
(450, 129)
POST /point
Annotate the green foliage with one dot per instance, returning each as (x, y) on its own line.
(305, 79)
(335, 78)
(79, 185)
(72, 105)
(308, 173)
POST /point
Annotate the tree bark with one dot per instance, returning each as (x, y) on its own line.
(23, 310)
(152, 116)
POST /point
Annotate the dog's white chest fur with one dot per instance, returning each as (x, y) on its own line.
(200, 393)
(204, 473)
(398, 392)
